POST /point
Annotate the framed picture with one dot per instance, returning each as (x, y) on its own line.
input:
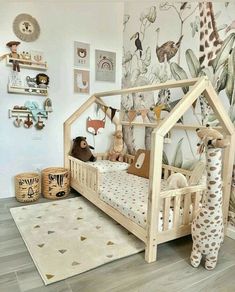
(105, 66)
(81, 55)
(81, 81)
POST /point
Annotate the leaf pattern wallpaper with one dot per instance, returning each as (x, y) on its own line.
(166, 40)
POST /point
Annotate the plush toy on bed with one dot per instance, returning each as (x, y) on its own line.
(176, 181)
(81, 150)
(117, 150)
(208, 226)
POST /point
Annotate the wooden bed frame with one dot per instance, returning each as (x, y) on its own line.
(85, 178)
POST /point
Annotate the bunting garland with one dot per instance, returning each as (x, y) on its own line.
(132, 114)
(143, 113)
(113, 112)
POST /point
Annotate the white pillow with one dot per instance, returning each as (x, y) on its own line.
(107, 166)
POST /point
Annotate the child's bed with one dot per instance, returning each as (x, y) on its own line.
(165, 214)
(124, 196)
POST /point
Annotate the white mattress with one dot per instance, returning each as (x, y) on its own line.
(107, 166)
(128, 194)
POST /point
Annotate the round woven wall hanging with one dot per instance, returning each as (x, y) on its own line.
(26, 27)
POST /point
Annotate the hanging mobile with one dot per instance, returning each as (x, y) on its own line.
(18, 122)
(28, 123)
(39, 125)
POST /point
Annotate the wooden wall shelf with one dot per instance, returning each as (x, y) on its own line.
(27, 90)
(30, 64)
(176, 126)
(14, 113)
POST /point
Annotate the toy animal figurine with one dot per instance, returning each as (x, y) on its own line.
(13, 47)
(26, 56)
(81, 150)
(207, 226)
(117, 150)
(42, 80)
(31, 81)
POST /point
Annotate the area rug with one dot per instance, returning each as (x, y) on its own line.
(71, 236)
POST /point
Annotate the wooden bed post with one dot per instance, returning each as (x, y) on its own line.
(67, 144)
(67, 127)
(154, 196)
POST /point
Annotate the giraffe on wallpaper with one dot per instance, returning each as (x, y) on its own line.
(210, 44)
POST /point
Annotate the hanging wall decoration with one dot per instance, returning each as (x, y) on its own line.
(81, 55)
(95, 126)
(105, 66)
(26, 27)
(81, 81)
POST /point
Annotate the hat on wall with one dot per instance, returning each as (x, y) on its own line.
(26, 27)
(12, 43)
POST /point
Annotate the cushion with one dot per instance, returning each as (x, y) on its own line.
(140, 165)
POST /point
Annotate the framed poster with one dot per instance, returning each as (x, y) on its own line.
(105, 66)
(81, 81)
(81, 55)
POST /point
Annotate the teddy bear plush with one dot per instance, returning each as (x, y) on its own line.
(116, 151)
(81, 150)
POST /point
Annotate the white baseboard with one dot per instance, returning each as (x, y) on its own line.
(231, 231)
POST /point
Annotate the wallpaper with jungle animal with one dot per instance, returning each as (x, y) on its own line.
(166, 40)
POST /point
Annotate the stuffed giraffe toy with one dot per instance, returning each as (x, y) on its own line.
(207, 226)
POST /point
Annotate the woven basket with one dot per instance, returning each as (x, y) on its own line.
(55, 182)
(27, 187)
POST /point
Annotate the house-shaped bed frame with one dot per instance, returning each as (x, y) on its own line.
(85, 179)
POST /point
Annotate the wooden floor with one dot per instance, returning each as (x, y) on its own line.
(172, 271)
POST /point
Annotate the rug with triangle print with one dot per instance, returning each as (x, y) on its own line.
(71, 236)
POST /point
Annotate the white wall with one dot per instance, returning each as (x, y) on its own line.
(99, 24)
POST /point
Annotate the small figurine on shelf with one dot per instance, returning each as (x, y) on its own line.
(31, 81)
(13, 47)
(48, 105)
(42, 80)
(26, 56)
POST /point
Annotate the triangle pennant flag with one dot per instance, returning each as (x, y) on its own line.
(131, 115)
(105, 108)
(143, 113)
(98, 106)
(157, 110)
(113, 112)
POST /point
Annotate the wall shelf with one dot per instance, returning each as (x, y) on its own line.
(27, 90)
(14, 113)
(30, 64)
(176, 126)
